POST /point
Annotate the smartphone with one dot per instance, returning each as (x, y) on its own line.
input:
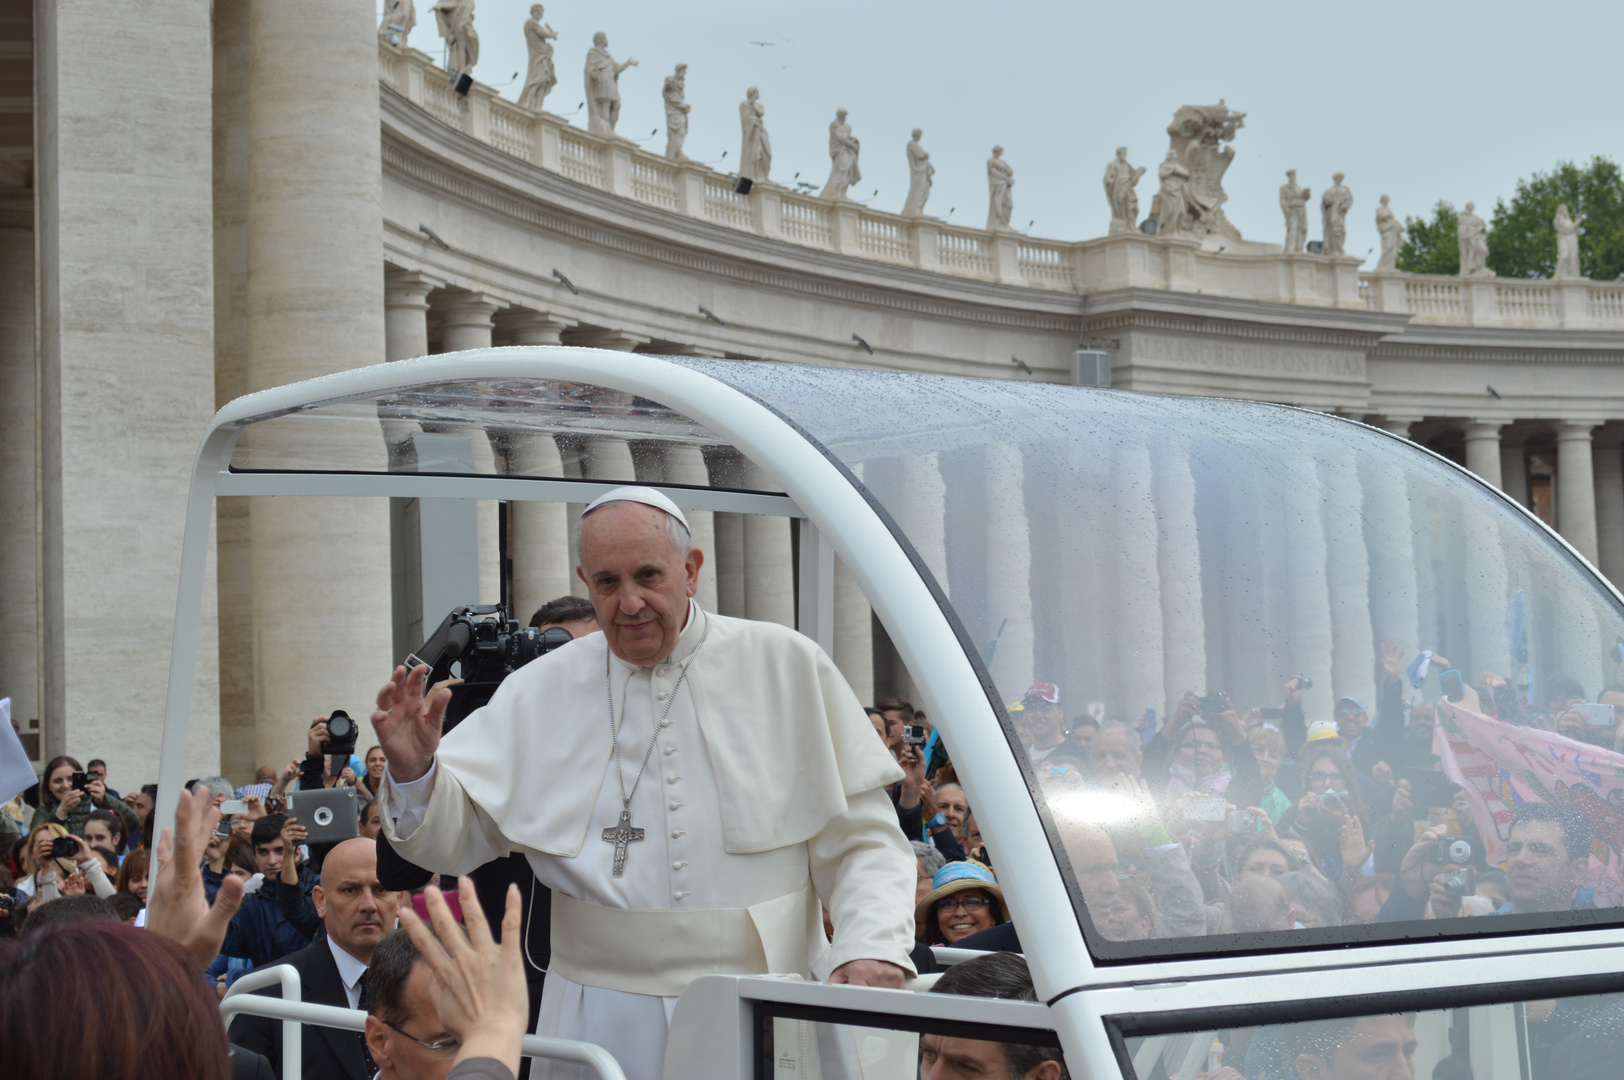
(1428, 787)
(1597, 715)
(1453, 685)
(421, 906)
(81, 781)
(233, 806)
(1205, 808)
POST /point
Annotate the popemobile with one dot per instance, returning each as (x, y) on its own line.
(1126, 549)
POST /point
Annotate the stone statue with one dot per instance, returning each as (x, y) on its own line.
(1170, 208)
(843, 150)
(455, 19)
(920, 170)
(540, 78)
(1334, 207)
(603, 86)
(1195, 136)
(756, 156)
(1000, 190)
(1474, 244)
(399, 16)
(1120, 179)
(676, 113)
(1294, 204)
(1567, 242)
(1392, 234)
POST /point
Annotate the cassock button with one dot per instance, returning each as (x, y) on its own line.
(681, 895)
(665, 723)
(678, 865)
(662, 671)
(678, 834)
(675, 805)
(662, 695)
(672, 779)
(670, 750)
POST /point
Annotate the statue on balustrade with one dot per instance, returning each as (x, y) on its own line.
(756, 156)
(843, 150)
(920, 170)
(1334, 207)
(1567, 242)
(540, 77)
(1391, 230)
(455, 20)
(1474, 244)
(1170, 208)
(603, 86)
(1294, 204)
(399, 16)
(1120, 180)
(1000, 190)
(1196, 135)
(676, 113)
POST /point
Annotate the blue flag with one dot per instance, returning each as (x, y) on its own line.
(1417, 671)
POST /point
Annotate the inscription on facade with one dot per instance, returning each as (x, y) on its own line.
(1259, 358)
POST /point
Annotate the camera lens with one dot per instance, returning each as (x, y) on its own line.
(340, 727)
(1460, 851)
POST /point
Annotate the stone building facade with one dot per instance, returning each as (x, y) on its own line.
(285, 196)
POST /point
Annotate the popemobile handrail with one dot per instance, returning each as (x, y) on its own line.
(295, 1014)
(292, 985)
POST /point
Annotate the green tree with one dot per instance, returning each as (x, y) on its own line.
(1431, 247)
(1522, 242)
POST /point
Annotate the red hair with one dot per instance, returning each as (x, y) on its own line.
(156, 1017)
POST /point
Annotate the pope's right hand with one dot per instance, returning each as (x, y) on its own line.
(408, 724)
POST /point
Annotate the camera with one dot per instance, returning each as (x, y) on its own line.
(342, 734)
(222, 828)
(913, 734)
(1453, 849)
(1212, 703)
(1242, 822)
(481, 646)
(1304, 682)
(1462, 882)
(8, 903)
(1333, 801)
(81, 781)
(63, 847)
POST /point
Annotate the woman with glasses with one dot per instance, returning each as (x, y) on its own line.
(965, 900)
(1330, 815)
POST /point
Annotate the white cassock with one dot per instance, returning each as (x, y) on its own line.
(763, 795)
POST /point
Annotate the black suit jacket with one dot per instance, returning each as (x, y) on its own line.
(329, 1054)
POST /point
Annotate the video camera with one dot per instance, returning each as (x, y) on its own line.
(481, 646)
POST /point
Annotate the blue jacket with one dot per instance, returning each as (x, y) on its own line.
(260, 933)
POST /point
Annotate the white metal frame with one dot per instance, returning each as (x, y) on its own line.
(836, 519)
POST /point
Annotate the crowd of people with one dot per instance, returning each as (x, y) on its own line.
(1215, 822)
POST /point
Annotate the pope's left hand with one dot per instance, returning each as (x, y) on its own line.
(881, 973)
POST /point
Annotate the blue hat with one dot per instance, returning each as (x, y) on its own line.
(1357, 703)
(956, 877)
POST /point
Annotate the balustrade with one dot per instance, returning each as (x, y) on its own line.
(806, 221)
(1528, 303)
(581, 159)
(725, 206)
(1044, 265)
(510, 130)
(1606, 303)
(882, 239)
(962, 251)
(654, 183)
(442, 102)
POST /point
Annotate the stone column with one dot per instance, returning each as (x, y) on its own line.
(19, 489)
(1178, 561)
(1398, 425)
(854, 635)
(769, 578)
(1514, 468)
(466, 323)
(539, 532)
(1353, 659)
(123, 190)
(1009, 567)
(1390, 554)
(726, 470)
(1609, 469)
(1576, 486)
(686, 465)
(315, 306)
(405, 313)
(1138, 616)
(1483, 450)
(1309, 640)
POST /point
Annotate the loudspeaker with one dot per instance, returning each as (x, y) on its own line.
(1316, 247)
(1091, 367)
(462, 83)
(743, 185)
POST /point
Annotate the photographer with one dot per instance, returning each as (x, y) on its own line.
(1434, 882)
(67, 795)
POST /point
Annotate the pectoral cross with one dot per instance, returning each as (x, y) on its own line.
(621, 835)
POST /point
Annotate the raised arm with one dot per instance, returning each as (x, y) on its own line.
(408, 724)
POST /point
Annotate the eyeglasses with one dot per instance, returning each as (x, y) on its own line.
(968, 903)
(1324, 777)
(442, 1046)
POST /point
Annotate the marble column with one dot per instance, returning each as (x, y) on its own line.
(686, 465)
(1310, 640)
(121, 198)
(539, 532)
(19, 489)
(405, 313)
(726, 470)
(1483, 450)
(1389, 540)
(1009, 567)
(520, 327)
(769, 579)
(1514, 467)
(466, 323)
(854, 635)
(315, 306)
(1576, 486)
(1178, 561)
(1398, 425)
(1609, 470)
(1137, 621)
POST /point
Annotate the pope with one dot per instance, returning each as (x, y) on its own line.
(693, 788)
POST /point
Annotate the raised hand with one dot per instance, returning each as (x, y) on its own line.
(176, 906)
(407, 724)
(1392, 661)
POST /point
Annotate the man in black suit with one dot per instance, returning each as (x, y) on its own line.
(357, 912)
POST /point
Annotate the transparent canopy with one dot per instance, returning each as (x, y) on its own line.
(1129, 550)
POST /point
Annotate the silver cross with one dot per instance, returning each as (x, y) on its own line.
(621, 835)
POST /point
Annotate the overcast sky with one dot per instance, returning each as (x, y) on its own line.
(1421, 100)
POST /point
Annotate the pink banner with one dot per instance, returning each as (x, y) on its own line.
(1502, 766)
